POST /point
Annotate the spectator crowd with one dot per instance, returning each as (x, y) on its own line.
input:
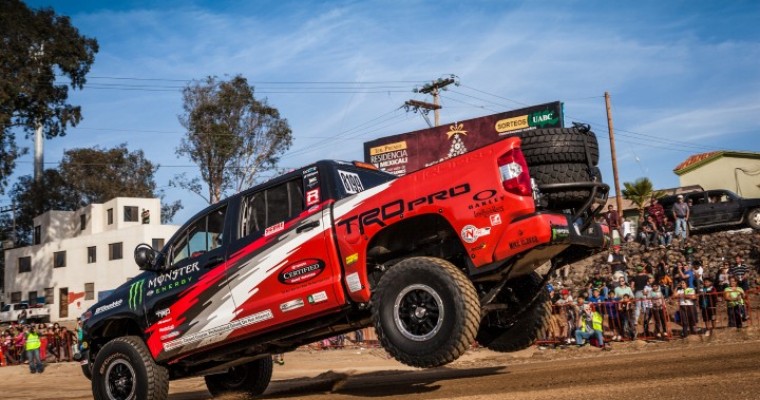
(38, 344)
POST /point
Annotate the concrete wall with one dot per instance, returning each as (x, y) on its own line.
(722, 174)
(61, 232)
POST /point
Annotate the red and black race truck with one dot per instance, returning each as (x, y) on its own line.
(434, 260)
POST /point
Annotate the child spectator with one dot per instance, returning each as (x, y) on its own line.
(722, 277)
(687, 309)
(566, 306)
(707, 299)
(657, 298)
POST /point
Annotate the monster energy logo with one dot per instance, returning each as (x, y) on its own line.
(136, 294)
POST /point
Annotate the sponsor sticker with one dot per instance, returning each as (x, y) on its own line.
(301, 271)
(560, 232)
(312, 197)
(353, 282)
(163, 313)
(312, 182)
(523, 242)
(352, 258)
(495, 219)
(136, 294)
(170, 335)
(471, 233)
(274, 228)
(291, 305)
(258, 317)
(351, 182)
(166, 328)
(107, 307)
(317, 297)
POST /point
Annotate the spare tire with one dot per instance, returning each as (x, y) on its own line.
(559, 145)
(565, 173)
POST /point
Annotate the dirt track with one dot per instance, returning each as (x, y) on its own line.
(691, 369)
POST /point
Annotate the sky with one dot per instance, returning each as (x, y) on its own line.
(683, 76)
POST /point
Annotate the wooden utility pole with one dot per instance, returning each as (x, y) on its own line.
(611, 129)
(433, 89)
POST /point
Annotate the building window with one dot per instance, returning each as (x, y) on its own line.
(114, 251)
(89, 291)
(83, 222)
(49, 295)
(157, 244)
(130, 214)
(24, 264)
(91, 255)
(145, 216)
(33, 298)
(109, 213)
(16, 297)
(59, 259)
(37, 234)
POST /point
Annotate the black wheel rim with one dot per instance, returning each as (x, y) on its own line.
(235, 377)
(120, 381)
(418, 312)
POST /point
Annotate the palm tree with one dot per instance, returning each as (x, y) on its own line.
(640, 193)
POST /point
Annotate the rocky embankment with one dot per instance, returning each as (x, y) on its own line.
(709, 248)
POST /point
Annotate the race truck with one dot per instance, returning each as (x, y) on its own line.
(434, 260)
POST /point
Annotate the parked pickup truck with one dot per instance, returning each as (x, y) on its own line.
(434, 260)
(717, 209)
(11, 312)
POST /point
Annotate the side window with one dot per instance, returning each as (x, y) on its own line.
(271, 206)
(203, 235)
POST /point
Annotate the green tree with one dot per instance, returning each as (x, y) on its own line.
(37, 48)
(86, 176)
(640, 192)
(231, 136)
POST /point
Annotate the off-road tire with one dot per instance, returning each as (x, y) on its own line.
(565, 173)
(559, 146)
(413, 284)
(753, 218)
(526, 327)
(251, 379)
(87, 371)
(127, 359)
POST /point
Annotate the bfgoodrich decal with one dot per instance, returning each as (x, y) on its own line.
(301, 271)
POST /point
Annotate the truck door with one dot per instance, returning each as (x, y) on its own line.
(283, 265)
(725, 208)
(180, 300)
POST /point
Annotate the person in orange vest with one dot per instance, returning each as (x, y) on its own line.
(33, 345)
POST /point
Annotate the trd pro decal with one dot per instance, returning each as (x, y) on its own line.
(301, 271)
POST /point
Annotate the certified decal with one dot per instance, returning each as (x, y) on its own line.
(274, 228)
(301, 271)
(471, 233)
(351, 182)
(317, 297)
(495, 219)
(312, 197)
(291, 305)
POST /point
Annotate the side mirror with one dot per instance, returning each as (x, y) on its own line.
(147, 258)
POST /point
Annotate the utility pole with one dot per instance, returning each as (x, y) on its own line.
(433, 88)
(611, 129)
(37, 54)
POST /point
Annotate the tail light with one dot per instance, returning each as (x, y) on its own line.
(514, 173)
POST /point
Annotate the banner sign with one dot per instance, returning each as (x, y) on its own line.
(408, 152)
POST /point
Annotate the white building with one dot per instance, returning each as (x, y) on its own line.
(79, 257)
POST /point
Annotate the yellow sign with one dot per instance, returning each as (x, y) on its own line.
(456, 129)
(386, 148)
(512, 124)
(352, 258)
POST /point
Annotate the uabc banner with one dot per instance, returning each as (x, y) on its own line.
(408, 152)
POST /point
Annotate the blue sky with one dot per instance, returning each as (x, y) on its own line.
(684, 76)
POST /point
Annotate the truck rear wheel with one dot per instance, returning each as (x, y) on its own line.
(251, 379)
(425, 311)
(125, 370)
(505, 333)
(753, 217)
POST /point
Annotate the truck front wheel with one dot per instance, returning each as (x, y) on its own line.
(251, 379)
(425, 311)
(125, 370)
